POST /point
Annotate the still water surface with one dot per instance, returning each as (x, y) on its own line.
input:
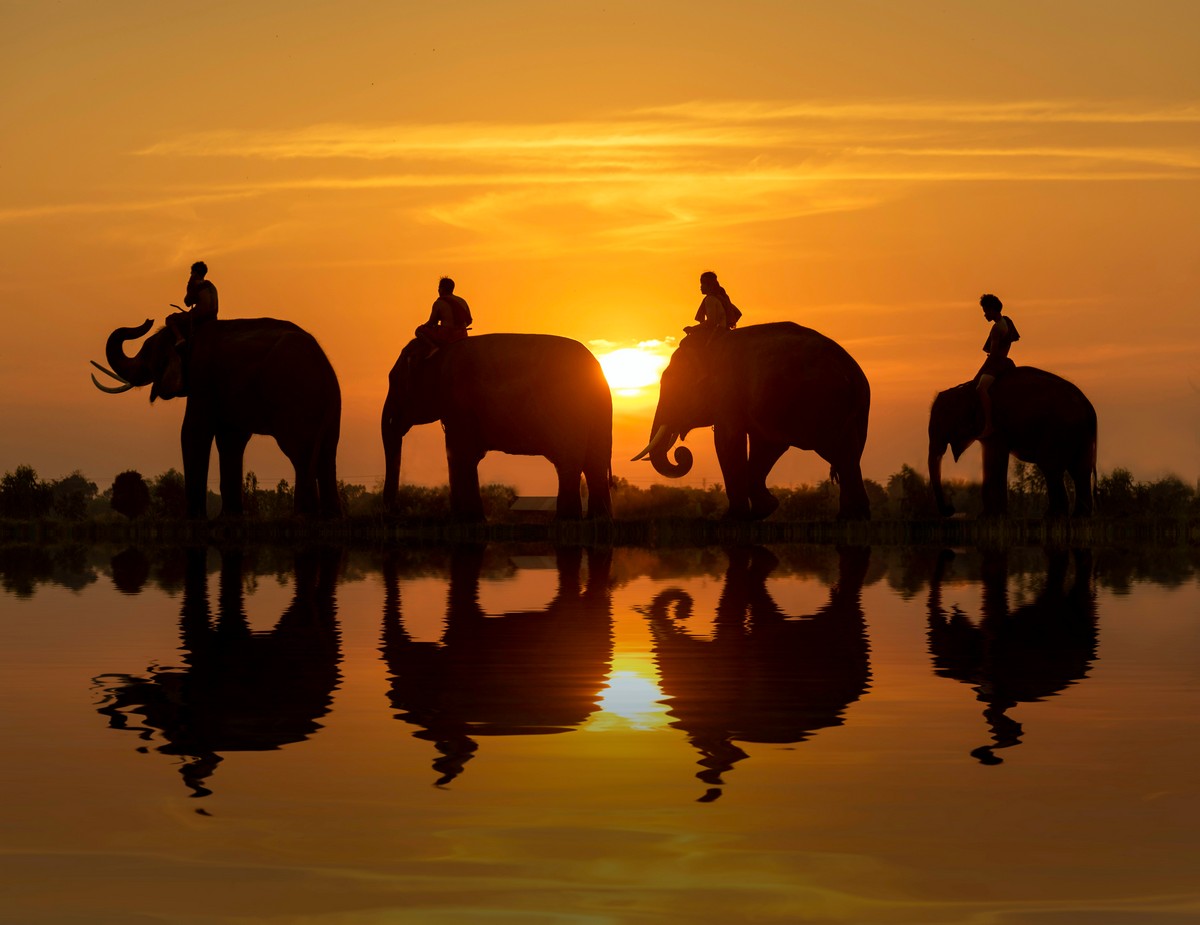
(531, 735)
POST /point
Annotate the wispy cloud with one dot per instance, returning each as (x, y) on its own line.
(649, 178)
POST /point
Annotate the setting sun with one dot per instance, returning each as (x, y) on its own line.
(631, 369)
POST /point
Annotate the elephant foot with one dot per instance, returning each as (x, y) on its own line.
(764, 507)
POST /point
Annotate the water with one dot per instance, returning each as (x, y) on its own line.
(531, 735)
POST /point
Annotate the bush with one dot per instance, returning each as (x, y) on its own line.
(73, 495)
(168, 496)
(23, 496)
(130, 494)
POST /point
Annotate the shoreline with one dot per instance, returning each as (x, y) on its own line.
(377, 533)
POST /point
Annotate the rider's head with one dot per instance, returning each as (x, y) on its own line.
(991, 305)
(199, 269)
(445, 286)
(708, 282)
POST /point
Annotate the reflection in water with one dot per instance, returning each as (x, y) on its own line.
(763, 676)
(1016, 655)
(241, 690)
(514, 674)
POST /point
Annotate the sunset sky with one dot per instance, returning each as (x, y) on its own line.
(864, 168)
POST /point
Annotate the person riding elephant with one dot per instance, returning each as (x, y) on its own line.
(716, 313)
(525, 394)
(1038, 417)
(449, 319)
(768, 387)
(201, 301)
(241, 377)
(1001, 337)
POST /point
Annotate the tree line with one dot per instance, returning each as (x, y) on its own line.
(904, 496)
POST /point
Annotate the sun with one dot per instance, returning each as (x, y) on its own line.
(631, 369)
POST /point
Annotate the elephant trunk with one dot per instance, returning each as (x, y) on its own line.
(660, 444)
(936, 452)
(134, 370)
(393, 432)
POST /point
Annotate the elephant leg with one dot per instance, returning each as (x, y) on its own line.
(853, 503)
(733, 459)
(569, 505)
(1081, 476)
(1056, 491)
(995, 478)
(329, 501)
(763, 456)
(231, 449)
(596, 473)
(196, 441)
(462, 460)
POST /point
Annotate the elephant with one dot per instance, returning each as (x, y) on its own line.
(1038, 417)
(241, 377)
(764, 676)
(520, 673)
(525, 394)
(1021, 654)
(239, 690)
(775, 386)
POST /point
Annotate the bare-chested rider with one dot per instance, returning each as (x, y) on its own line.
(1000, 338)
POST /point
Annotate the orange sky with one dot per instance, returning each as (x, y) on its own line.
(865, 168)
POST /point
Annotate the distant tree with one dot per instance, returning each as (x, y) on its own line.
(73, 495)
(23, 496)
(353, 498)
(250, 496)
(1116, 494)
(168, 496)
(1169, 496)
(1027, 495)
(130, 494)
(909, 495)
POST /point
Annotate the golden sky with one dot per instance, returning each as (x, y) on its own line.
(864, 168)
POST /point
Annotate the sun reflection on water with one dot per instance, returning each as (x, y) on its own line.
(631, 698)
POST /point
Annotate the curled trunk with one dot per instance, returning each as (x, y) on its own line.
(658, 449)
(134, 370)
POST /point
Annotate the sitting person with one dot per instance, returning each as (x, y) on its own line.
(201, 301)
(716, 313)
(1000, 338)
(449, 318)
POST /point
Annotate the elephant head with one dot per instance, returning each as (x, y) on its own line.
(158, 363)
(952, 422)
(686, 399)
(411, 400)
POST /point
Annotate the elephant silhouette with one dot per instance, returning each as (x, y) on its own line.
(764, 388)
(1016, 655)
(521, 673)
(763, 677)
(524, 394)
(241, 377)
(1039, 417)
(240, 690)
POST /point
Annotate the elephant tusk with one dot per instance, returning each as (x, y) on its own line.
(111, 389)
(109, 372)
(653, 444)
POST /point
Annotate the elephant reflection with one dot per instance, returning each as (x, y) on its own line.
(764, 676)
(241, 690)
(516, 674)
(1016, 655)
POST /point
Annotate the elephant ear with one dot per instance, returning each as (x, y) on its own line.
(172, 381)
